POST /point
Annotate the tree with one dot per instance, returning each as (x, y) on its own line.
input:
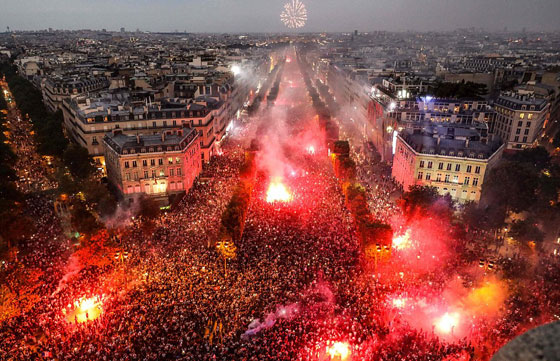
(83, 220)
(426, 198)
(526, 231)
(78, 161)
(149, 208)
(556, 140)
(511, 184)
(538, 157)
(462, 90)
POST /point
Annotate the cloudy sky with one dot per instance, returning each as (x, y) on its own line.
(263, 15)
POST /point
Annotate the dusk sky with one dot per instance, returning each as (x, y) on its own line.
(263, 15)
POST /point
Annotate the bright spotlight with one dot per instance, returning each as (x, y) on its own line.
(235, 69)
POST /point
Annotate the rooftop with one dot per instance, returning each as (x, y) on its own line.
(457, 140)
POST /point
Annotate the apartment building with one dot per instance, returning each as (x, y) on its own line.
(156, 164)
(520, 119)
(453, 158)
(88, 119)
(55, 90)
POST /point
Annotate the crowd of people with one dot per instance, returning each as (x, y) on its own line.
(298, 285)
(32, 169)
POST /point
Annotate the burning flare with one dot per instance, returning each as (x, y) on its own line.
(447, 323)
(83, 309)
(339, 351)
(277, 192)
(402, 241)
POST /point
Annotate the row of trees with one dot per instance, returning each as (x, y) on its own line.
(254, 106)
(375, 237)
(233, 217)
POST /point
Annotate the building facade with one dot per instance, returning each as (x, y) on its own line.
(157, 164)
(520, 119)
(455, 160)
(87, 120)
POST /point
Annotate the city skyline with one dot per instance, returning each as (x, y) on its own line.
(329, 16)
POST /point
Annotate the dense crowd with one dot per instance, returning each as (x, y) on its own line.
(32, 169)
(298, 284)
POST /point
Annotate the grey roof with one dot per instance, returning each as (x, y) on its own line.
(439, 139)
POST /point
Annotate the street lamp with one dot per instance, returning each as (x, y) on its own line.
(227, 250)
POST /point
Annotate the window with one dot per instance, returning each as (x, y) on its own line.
(153, 162)
(126, 164)
(145, 163)
(477, 169)
(127, 176)
(524, 139)
(448, 166)
(428, 176)
(420, 174)
(447, 178)
(528, 125)
(520, 123)
(135, 176)
(516, 139)
(526, 131)
(153, 173)
(440, 166)
(455, 179)
(171, 172)
(160, 161)
(154, 124)
(438, 177)
(161, 173)
(178, 171)
(145, 174)
(522, 116)
(430, 165)
(475, 182)
(529, 116)
(170, 160)
(467, 181)
(469, 168)
(518, 131)
(421, 164)
(457, 167)
(177, 160)
(94, 140)
(134, 164)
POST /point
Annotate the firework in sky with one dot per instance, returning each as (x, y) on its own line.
(294, 15)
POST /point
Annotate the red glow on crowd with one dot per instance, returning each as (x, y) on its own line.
(84, 309)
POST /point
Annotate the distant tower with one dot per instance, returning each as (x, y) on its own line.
(122, 30)
(7, 28)
(355, 32)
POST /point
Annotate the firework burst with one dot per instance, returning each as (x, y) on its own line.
(294, 15)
